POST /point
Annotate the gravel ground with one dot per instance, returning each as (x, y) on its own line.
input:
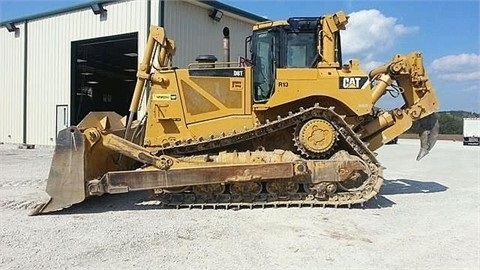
(427, 217)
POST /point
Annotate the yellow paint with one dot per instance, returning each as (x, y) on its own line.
(213, 105)
(236, 84)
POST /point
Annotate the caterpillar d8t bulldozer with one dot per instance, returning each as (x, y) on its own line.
(292, 125)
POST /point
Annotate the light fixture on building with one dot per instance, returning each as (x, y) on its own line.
(92, 82)
(132, 54)
(130, 70)
(86, 73)
(98, 8)
(81, 60)
(11, 27)
(216, 15)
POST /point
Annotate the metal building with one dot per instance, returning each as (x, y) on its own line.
(57, 66)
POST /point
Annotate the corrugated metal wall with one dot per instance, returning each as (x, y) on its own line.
(49, 58)
(11, 85)
(195, 33)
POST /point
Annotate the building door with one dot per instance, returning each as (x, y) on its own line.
(62, 118)
(103, 75)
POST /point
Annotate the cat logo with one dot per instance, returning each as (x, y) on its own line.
(353, 82)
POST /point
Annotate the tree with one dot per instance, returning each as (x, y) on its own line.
(451, 122)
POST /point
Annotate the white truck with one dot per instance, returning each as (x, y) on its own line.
(471, 131)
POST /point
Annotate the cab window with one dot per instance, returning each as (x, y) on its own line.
(301, 50)
(263, 72)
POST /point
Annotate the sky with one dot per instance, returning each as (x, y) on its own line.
(446, 32)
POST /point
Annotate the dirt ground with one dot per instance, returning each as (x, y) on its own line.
(426, 217)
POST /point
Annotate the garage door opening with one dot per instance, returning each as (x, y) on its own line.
(103, 75)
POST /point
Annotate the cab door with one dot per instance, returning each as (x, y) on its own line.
(265, 57)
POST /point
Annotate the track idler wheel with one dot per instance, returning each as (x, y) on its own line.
(246, 189)
(282, 188)
(315, 138)
(355, 180)
(322, 190)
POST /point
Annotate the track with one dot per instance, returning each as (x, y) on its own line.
(307, 194)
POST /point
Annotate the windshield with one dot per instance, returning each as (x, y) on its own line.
(301, 49)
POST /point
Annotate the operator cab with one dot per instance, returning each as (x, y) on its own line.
(284, 44)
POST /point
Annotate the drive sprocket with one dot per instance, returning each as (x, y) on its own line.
(315, 138)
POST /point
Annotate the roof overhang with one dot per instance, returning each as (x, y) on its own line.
(233, 11)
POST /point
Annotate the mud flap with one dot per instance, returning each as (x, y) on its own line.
(428, 135)
(65, 183)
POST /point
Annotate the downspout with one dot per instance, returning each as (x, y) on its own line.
(149, 22)
(149, 16)
(25, 57)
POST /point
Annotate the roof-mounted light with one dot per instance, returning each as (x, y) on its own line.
(11, 27)
(98, 9)
(216, 15)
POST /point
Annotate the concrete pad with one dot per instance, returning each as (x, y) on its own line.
(426, 217)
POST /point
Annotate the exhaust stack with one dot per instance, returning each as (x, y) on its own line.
(226, 44)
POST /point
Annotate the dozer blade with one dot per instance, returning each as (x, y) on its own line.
(428, 135)
(65, 183)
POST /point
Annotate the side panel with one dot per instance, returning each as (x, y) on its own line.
(165, 121)
(207, 96)
(11, 84)
(198, 103)
(351, 89)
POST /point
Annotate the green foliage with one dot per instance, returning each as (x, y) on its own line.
(451, 122)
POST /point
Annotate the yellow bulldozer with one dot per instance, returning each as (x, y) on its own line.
(292, 124)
